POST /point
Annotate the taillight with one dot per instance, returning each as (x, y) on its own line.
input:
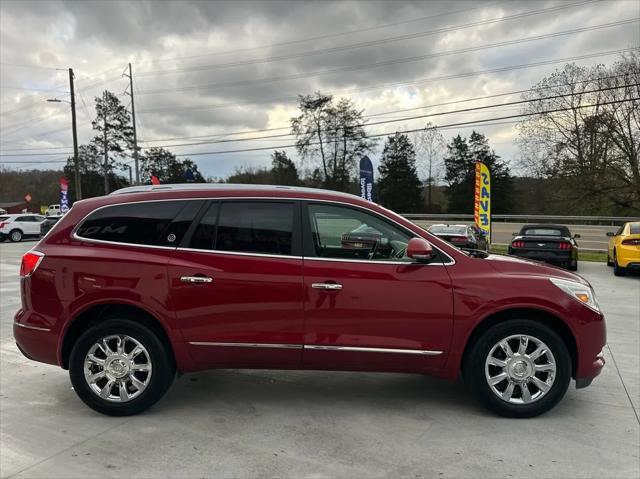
(518, 244)
(30, 261)
(564, 245)
(2, 225)
(630, 242)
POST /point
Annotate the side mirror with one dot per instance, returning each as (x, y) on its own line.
(609, 233)
(576, 236)
(420, 250)
(514, 234)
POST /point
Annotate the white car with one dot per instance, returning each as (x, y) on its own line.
(16, 227)
(53, 210)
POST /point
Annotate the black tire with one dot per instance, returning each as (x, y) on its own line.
(474, 367)
(160, 357)
(617, 269)
(15, 236)
(573, 265)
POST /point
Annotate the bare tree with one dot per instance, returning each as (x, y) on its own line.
(430, 147)
(584, 130)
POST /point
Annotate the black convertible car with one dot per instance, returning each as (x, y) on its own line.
(550, 243)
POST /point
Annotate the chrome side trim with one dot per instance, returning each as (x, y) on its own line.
(247, 345)
(318, 347)
(238, 253)
(35, 328)
(422, 352)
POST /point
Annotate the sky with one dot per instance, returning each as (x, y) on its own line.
(211, 71)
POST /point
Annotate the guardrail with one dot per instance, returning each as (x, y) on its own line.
(576, 220)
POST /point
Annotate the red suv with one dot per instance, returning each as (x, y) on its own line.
(128, 288)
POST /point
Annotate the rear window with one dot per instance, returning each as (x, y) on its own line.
(543, 232)
(134, 223)
(449, 230)
(634, 229)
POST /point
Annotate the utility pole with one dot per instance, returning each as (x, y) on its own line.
(76, 160)
(133, 120)
(106, 144)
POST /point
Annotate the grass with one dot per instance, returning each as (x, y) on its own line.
(595, 256)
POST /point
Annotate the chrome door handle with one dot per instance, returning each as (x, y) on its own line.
(196, 279)
(331, 286)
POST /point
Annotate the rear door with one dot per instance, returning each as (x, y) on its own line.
(236, 284)
(368, 306)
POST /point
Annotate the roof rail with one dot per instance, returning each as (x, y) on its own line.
(221, 187)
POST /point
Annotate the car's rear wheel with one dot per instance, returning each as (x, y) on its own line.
(573, 265)
(15, 236)
(518, 368)
(120, 367)
(617, 269)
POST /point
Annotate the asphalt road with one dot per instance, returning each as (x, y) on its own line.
(592, 237)
(318, 424)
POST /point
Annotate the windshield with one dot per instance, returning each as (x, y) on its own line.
(448, 230)
(543, 232)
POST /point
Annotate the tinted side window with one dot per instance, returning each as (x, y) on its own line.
(205, 234)
(634, 228)
(347, 233)
(254, 227)
(136, 223)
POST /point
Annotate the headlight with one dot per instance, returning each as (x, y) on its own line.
(578, 291)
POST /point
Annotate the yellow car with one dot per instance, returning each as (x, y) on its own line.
(624, 248)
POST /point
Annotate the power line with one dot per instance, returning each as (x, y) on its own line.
(395, 84)
(393, 120)
(396, 61)
(484, 122)
(396, 120)
(217, 135)
(451, 125)
(366, 44)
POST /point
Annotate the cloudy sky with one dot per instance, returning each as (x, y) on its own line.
(205, 71)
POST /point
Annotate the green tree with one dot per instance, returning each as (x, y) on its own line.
(399, 187)
(92, 175)
(332, 134)
(114, 134)
(163, 164)
(250, 176)
(283, 170)
(460, 167)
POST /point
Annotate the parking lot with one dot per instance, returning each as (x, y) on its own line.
(318, 424)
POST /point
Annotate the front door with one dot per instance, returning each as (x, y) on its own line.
(236, 285)
(368, 306)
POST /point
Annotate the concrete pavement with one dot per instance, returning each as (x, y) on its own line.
(317, 424)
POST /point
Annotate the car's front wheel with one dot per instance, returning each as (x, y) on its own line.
(518, 368)
(119, 367)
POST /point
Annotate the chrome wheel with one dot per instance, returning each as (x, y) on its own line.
(117, 368)
(16, 236)
(520, 369)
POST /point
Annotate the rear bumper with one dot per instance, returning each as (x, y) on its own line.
(555, 257)
(34, 339)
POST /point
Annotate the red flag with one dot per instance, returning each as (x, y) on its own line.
(155, 180)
